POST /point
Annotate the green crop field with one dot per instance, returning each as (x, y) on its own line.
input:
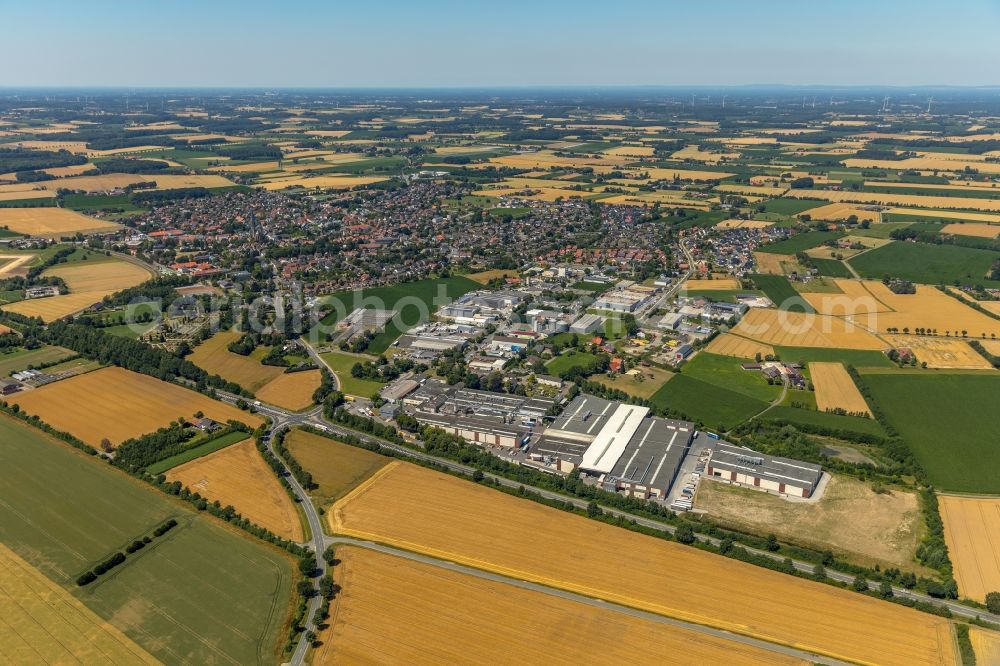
(928, 264)
(832, 268)
(198, 449)
(413, 301)
(199, 594)
(726, 372)
(856, 357)
(800, 242)
(713, 405)
(811, 417)
(781, 293)
(341, 364)
(22, 359)
(950, 422)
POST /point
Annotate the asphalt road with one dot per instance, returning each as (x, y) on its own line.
(284, 419)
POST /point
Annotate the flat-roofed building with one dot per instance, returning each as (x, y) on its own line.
(588, 323)
(648, 465)
(747, 467)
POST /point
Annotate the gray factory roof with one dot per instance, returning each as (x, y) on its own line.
(654, 453)
(584, 417)
(782, 470)
(478, 422)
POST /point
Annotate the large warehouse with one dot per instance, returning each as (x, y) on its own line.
(622, 445)
(749, 468)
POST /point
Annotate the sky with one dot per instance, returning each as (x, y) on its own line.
(512, 43)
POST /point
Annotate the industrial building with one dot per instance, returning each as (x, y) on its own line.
(480, 417)
(621, 445)
(749, 468)
(588, 323)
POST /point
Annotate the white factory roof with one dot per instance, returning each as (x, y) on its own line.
(609, 444)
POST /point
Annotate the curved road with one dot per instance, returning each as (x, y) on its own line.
(282, 419)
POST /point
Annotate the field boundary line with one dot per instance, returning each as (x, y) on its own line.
(582, 590)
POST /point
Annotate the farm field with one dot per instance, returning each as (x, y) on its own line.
(712, 285)
(851, 519)
(800, 242)
(640, 382)
(415, 508)
(809, 417)
(915, 200)
(972, 229)
(20, 359)
(214, 357)
(841, 211)
(570, 359)
(201, 594)
(111, 181)
(986, 645)
(971, 529)
(89, 282)
(782, 294)
(43, 623)
(856, 357)
(777, 264)
(926, 264)
(940, 353)
(237, 475)
(796, 329)
(325, 182)
(872, 305)
(291, 390)
(341, 363)
(52, 222)
(835, 389)
(399, 610)
(336, 468)
(715, 406)
(728, 344)
(118, 404)
(960, 452)
(728, 373)
(199, 447)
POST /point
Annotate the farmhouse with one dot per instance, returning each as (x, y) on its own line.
(749, 468)
(8, 387)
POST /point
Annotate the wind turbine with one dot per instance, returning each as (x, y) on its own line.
(929, 104)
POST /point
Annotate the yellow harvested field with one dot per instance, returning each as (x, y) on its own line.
(992, 346)
(756, 190)
(745, 140)
(972, 533)
(291, 390)
(251, 167)
(796, 329)
(333, 134)
(916, 200)
(842, 211)
(926, 164)
(744, 224)
(51, 222)
(41, 623)
(729, 344)
(543, 159)
(26, 194)
(641, 382)
(986, 645)
(399, 610)
(649, 198)
(483, 277)
(441, 516)
(324, 182)
(214, 356)
(683, 174)
(237, 475)
(940, 352)
(978, 230)
(726, 283)
(835, 389)
(111, 181)
(534, 193)
(695, 153)
(118, 404)
(630, 151)
(88, 281)
(873, 306)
